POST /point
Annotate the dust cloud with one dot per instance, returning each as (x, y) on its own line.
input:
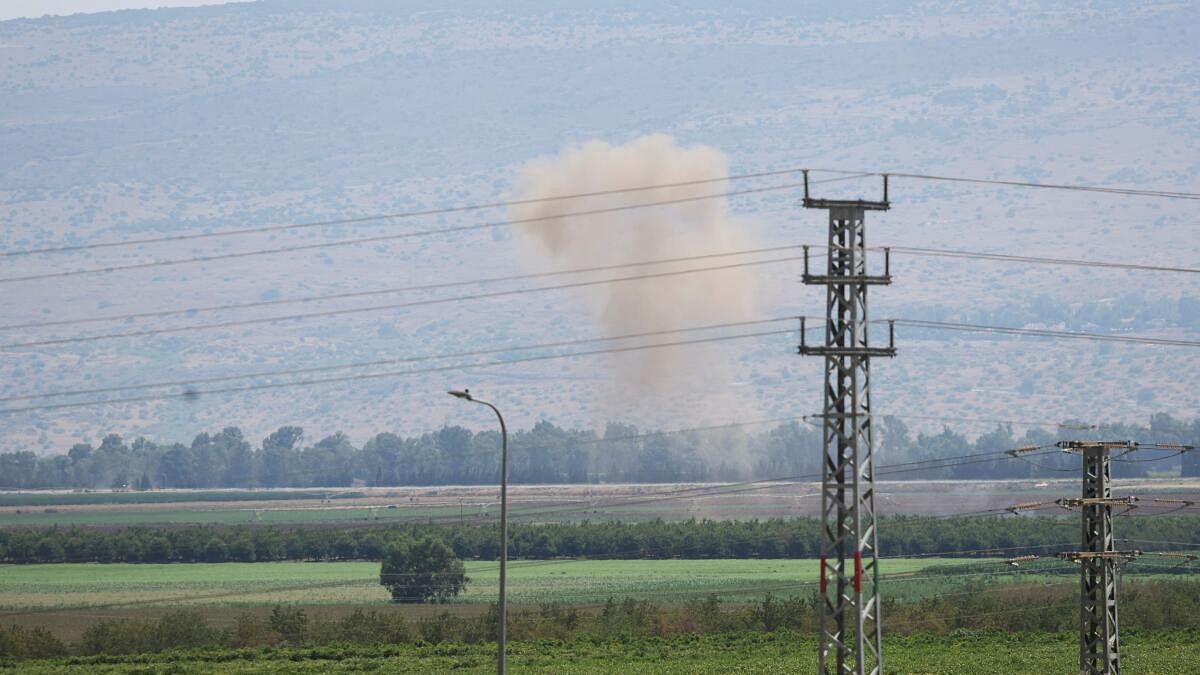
(669, 231)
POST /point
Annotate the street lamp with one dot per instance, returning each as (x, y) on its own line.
(465, 394)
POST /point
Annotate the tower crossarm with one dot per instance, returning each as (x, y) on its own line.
(1079, 556)
(1096, 501)
(1080, 446)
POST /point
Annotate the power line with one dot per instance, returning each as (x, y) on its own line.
(597, 193)
(1005, 257)
(400, 305)
(771, 483)
(992, 420)
(404, 214)
(393, 237)
(244, 254)
(391, 362)
(1156, 542)
(1131, 192)
(389, 291)
(193, 394)
(189, 311)
(920, 323)
(1041, 332)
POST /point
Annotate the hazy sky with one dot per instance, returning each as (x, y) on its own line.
(16, 9)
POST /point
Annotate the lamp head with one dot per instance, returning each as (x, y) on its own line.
(464, 394)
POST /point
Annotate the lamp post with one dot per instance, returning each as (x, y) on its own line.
(465, 394)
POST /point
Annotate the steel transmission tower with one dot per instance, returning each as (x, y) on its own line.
(1099, 644)
(850, 604)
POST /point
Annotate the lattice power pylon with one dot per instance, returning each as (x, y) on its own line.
(1099, 643)
(851, 640)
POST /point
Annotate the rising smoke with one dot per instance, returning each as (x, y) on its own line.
(670, 231)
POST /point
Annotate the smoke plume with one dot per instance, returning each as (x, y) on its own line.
(668, 231)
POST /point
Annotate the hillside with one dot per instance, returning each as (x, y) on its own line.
(145, 123)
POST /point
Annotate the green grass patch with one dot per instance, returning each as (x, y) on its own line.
(26, 587)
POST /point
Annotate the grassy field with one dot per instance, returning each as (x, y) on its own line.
(476, 504)
(222, 515)
(64, 498)
(41, 587)
(1173, 653)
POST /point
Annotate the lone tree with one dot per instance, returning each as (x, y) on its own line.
(421, 570)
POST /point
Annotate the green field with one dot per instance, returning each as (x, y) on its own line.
(1170, 653)
(222, 515)
(35, 587)
(235, 513)
(60, 498)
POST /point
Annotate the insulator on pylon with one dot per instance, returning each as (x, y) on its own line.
(1023, 449)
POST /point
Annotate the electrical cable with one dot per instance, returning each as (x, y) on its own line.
(1044, 467)
(191, 382)
(1039, 332)
(388, 237)
(1130, 192)
(405, 214)
(1005, 257)
(918, 323)
(190, 311)
(193, 394)
(1154, 459)
(1158, 542)
(504, 204)
(771, 483)
(391, 306)
(244, 254)
(987, 420)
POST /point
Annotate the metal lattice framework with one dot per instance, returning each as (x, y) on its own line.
(851, 639)
(1099, 643)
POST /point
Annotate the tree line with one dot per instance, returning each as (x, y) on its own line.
(546, 453)
(773, 538)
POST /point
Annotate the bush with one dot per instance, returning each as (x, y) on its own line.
(184, 629)
(292, 624)
(29, 643)
(250, 630)
(117, 637)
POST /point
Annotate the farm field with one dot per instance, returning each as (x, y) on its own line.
(46, 587)
(528, 503)
(232, 514)
(1159, 653)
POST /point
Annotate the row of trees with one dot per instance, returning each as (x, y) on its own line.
(774, 538)
(544, 454)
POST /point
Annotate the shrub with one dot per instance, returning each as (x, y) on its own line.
(183, 629)
(29, 643)
(292, 624)
(117, 637)
(251, 630)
